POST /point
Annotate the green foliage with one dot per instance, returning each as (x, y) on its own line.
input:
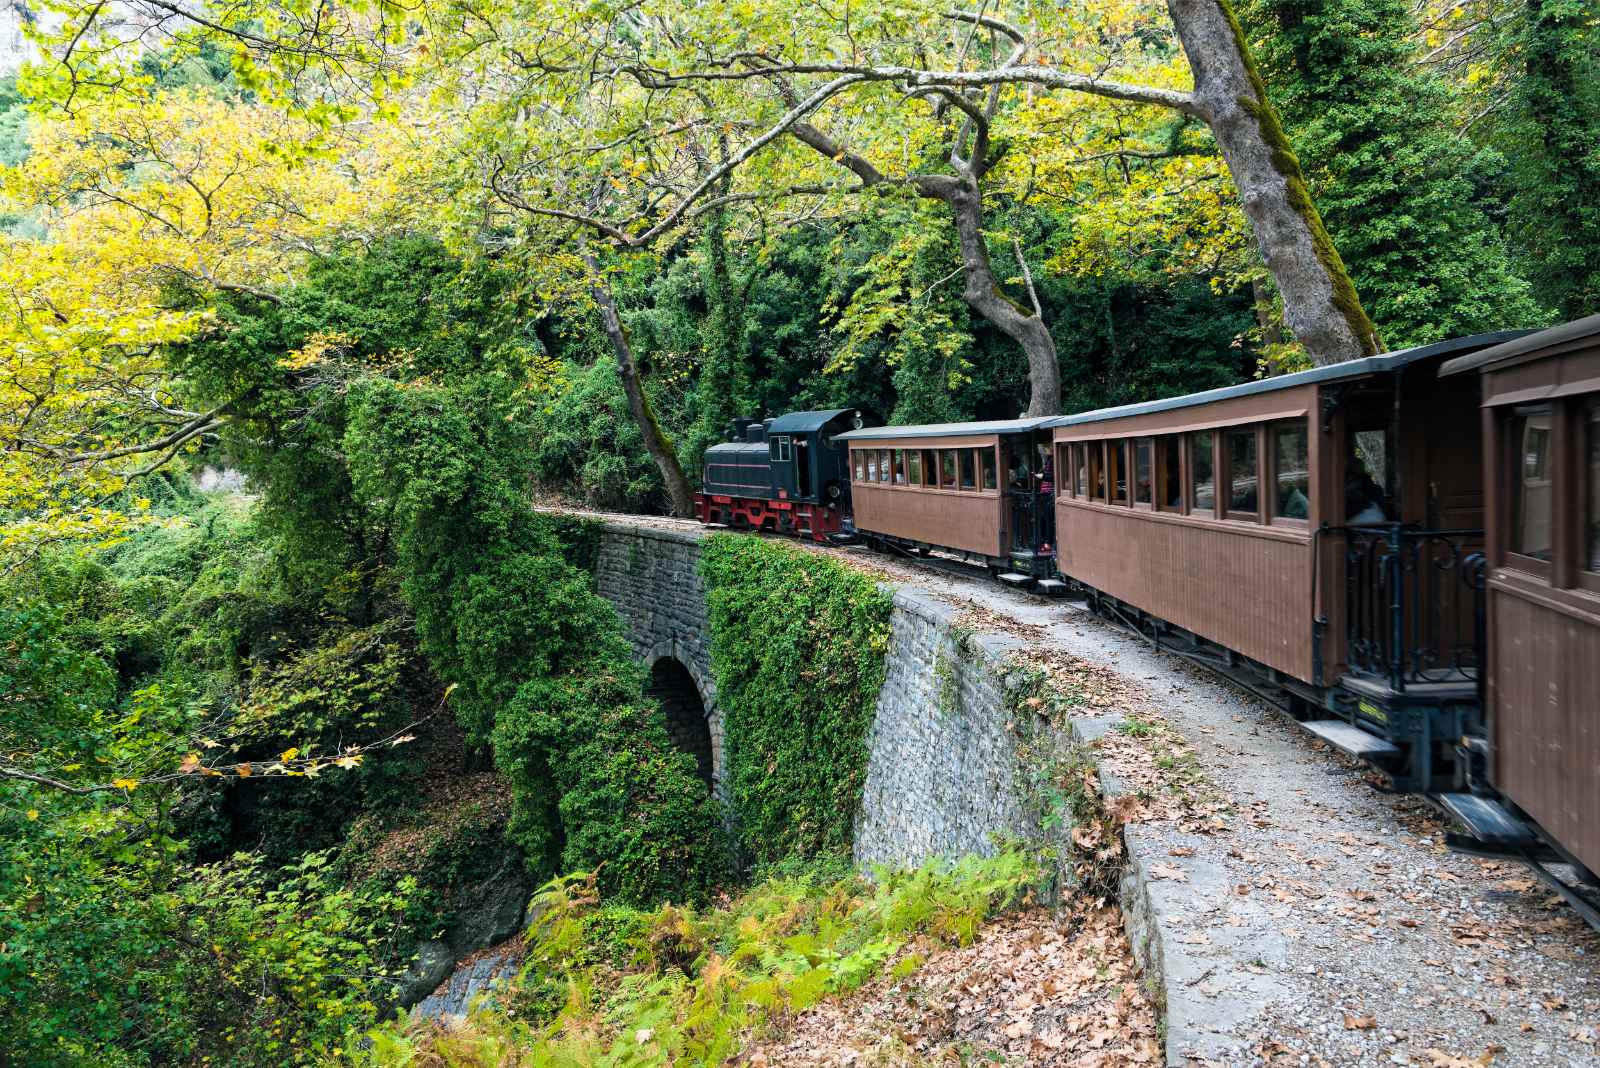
(587, 444)
(797, 644)
(538, 659)
(13, 124)
(609, 985)
(1552, 133)
(1394, 185)
(113, 950)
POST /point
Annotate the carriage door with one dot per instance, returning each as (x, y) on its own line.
(780, 451)
(1017, 462)
(802, 467)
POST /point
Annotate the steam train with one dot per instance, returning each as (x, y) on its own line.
(1402, 551)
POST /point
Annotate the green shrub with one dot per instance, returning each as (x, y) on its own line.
(797, 645)
(680, 987)
(537, 660)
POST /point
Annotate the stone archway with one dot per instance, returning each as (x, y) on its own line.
(690, 712)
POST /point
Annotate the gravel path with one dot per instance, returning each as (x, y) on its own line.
(1327, 924)
(1300, 916)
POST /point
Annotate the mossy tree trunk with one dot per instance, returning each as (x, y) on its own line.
(1319, 301)
(656, 444)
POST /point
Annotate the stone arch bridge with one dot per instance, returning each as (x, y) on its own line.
(942, 767)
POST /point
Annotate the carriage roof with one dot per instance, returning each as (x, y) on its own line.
(949, 430)
(1370, 365)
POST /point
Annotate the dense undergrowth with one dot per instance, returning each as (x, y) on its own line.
(797, 645)
(610, 985)
(384, 580)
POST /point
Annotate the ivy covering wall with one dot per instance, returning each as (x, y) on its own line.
(797, 646)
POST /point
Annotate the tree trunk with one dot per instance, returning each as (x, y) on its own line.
(984, 295)
(1320, 304)
(655, 442)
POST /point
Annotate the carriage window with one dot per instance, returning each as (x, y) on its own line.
(872, 465)
(986, 469)
(969, 474)
(1201, 448)
(1144, 474)
(899, 467)
(1169, 473)
(1240, 446)
(884, 459)
(914, 467)
(1292, 471)
(1080, 470)
(1532, 499)
(930, 467)
(1591, 512)
(1097, 469)
(859, 465)
(947, 469)
(1117, 470)
(779, 449)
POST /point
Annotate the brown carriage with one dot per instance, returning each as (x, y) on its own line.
(1541, 431)
(980, 489)
(1318, 534)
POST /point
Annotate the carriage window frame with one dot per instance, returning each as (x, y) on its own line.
(1064, 459)
(1273, 474)
(967, 470)
(1512, 466)
(1148, 447)
(913, 467)
(1193, 481)
(1169, 453)
(1587, 420)
(858, 465)
(930, 468)
(1251, 434)
(1117, 462)
(885, 458)
(781, 450)
(897, 472)
(949, 456)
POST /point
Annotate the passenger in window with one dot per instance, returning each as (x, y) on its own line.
(1017, 476)
(1295, 505)
(1363, 498)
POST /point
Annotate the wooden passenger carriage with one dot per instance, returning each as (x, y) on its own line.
(1322, 530)
(1541, 428)
(981, 489)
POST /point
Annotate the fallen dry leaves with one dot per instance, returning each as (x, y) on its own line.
(1036, 988)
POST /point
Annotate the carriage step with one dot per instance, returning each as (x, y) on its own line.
(1348, 739)
(1012, 578)
(1486, 819)
(1052, 587)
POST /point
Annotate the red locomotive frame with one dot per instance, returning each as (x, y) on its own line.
(797, 518)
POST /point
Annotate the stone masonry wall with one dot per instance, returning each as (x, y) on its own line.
(941, 775)
(652, 577)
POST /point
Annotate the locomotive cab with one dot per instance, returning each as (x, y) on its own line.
(787, 475)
